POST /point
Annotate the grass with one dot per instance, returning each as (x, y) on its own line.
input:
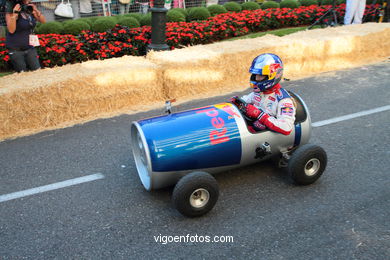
(2, 74)
(279, 32)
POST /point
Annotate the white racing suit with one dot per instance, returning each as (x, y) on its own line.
(278, 107)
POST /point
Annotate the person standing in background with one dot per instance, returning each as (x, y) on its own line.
(85, 8)
(21, 19)
(354, 11)
(124, 6)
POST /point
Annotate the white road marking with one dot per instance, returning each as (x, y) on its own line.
(50, 187)
(350, 116)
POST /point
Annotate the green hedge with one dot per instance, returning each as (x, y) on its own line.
(175, 16)
(130, 22)
(216, 9)
(103, 24)
(137, 16)
(308, 2)
(146, 19)
(250, 6)
(270, 4)
(232, 6)
(198, 13)
(92, 19)
(75, 27)
(88, 20)
(330, 2)
(50, 27)
(181, 10)
(289, 4)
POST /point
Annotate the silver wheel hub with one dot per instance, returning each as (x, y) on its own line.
(312, 167)
(199, 198)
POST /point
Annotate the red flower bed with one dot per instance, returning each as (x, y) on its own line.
(57, 50)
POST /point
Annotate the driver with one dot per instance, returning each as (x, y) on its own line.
(269, 105)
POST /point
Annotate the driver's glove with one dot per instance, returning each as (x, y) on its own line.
(233, 100)
(256, 113)
(253, 112)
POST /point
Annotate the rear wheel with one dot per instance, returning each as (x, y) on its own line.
(307, 164)
(195, 194)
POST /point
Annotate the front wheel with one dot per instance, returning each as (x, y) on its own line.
(307, 164)
(195, 194)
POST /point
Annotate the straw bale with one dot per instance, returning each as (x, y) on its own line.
(204, 70)
(201, 71)
(48, 98)
(336, 48)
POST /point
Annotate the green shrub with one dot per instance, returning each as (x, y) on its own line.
(188, 10)
(75, 27)
(103, 24)
(85, 20)
(50, 27)
(90, 20)
(37, 26)
(339, 2)
(250, 6)
(330, 2)
(130, 22)
(308, 2)
(289, 4)
(175, 16)
(146, 19)
(198, 13)
(270, 4)
(119, 16)
(327, 2)
(260, 2)
(232, 6)
(137, 16)
(181, 10)
(216, 9)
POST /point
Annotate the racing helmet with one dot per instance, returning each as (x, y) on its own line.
(269, 65)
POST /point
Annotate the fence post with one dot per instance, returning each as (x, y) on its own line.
(159, 20)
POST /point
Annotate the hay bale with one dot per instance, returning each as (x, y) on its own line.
(63, 96)
(336, 48)
(204, 70)
(201, 71)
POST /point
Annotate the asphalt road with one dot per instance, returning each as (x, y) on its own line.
(345, 215)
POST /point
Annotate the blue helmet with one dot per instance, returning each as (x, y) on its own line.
(269, 65)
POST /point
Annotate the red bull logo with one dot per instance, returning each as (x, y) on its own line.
(287, 111)
(218, 135)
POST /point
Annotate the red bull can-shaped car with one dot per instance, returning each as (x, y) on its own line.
(185, 148)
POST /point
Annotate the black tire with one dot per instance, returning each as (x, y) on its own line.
(307, 164)
(195, 194)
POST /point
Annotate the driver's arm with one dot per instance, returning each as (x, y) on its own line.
(248, 98)
(283, 122)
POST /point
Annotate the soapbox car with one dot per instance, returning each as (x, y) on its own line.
(184, 148)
